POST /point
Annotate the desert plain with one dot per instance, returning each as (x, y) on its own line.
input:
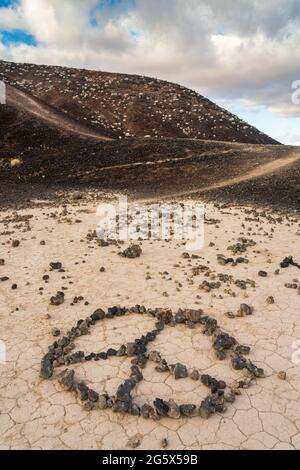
(40, 414)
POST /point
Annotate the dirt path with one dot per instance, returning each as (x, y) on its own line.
(51, 116)
(261, 170)
(256, 173)
(124, 166)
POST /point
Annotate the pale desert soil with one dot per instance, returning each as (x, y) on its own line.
(38, 414)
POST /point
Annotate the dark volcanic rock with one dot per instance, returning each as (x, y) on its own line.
(289, 261)
(148, 412)
(47, 366)
(188, 410)
(239, 363)
(282, 375)
(131, 349)
(180, 317)
(134, 251)
(161, 407)
(220, 355)
(56, 265)
(180, 372)
(58, 299)
(55, 332)
(155, 356)
(111, 352)
(98, 315)
(136, 374)
(134, 410)
(263, 274)
(162, 366)
(124, 391)
(195, 375)
(102, 402)
(245, 310)
(84, 328)
(207, 408)
(140, 361)
(164, 443)
(165, 316)
(83, 391)
(122, 351)
(223, 342)
(174, 410)
(66, 379)
(193, 316)
(93, 396)
(242, 350)
(76, 358)
(102, 356)
(210, 326)
(256, 371)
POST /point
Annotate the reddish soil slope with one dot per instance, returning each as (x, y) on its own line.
(119, 105)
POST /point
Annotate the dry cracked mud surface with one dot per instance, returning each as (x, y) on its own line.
(39, 414)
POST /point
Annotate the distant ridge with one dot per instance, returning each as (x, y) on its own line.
(118, 105)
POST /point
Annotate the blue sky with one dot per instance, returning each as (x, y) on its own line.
(243, 55)
(285, 129)
(17, 37)
(6, 3)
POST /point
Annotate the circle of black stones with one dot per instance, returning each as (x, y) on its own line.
(60, 354)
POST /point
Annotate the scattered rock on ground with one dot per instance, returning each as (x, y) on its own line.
(180, 372)
(282, 375)
(245, 310)
(58, 299)
(134, 251)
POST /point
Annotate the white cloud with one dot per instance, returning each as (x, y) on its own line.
(289, 137)
(10, 19)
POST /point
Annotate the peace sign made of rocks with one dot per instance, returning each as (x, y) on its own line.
(60, 354)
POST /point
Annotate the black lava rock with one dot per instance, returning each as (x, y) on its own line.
(83, 391)
(134, 251)
(289, 261)
(180, 372)
(224, 342)
(161, 407)
(66, 379)
(263, 274)
(148, 412)
(55, 265)
(58, 299)
(47, 366)
(124, 391)
(188, 410)
(98, 315)
(239, 363)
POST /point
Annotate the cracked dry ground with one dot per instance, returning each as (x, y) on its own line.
(38, 414)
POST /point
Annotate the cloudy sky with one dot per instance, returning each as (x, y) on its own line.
(243, 54)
